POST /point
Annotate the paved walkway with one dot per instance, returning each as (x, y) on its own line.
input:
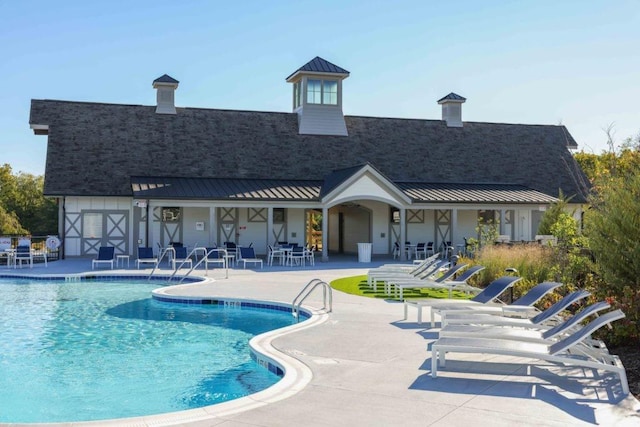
(362, 365)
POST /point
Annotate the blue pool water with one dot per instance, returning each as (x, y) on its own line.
(94, 350)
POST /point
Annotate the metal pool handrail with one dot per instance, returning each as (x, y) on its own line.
(306, 291)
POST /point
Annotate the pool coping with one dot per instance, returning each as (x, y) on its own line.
(295, 374)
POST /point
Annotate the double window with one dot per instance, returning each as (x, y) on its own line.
(322, 92)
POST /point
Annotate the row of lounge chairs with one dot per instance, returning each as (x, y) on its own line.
(484, 325)
(179, 257)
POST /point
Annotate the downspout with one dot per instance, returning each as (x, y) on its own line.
(146, 227)
(62, 215)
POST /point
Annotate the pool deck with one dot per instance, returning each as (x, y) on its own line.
(362, 365)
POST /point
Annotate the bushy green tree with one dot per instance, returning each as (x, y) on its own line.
(25, 209)
(613, 228)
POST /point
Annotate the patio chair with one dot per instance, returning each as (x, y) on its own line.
(5, 250)
(275, 253)
(248, 255)
(398, 271)
(145, 256)
(493, 319)
(524, 332)
(309, 255)
(565, 351)
(180, 257)
(522, 306)
(216, 257)
(398, 285)
(486, 296)
(297, 256)
(23, 254)
(420, 252)
(105, 256)
(396, 250)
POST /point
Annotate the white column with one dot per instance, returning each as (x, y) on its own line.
(270, 227)
(503, 215)
(452, 228)
(325, 234)
(403, 234)
(213, 226)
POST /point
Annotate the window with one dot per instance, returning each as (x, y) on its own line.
(486, 217)
(330, 92)
(297, 92)
(92, 226)
(322, 92)
(278, 215)
(395, 215)
(170, 214)
(314, 92)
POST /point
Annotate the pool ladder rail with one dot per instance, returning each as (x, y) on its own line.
(306, 291)
(194, 251)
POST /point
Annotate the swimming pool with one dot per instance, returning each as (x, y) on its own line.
(94, 350)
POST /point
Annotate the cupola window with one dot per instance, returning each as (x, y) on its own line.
(322, 92)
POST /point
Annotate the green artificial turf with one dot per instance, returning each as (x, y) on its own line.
(357, 285)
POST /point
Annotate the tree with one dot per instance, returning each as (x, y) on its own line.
(24, 208)
(553, 214)
(613, 228)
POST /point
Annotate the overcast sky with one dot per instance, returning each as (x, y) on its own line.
(536, 62)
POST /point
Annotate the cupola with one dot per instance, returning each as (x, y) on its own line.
(452, 109)
(317, 98)
(165, 96)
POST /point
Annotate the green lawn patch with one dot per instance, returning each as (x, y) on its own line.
(357, 285)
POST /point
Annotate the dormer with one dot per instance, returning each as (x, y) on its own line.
(452, 109)
(317, 98)
(165, 86)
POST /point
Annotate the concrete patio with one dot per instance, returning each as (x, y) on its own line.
(368, 367)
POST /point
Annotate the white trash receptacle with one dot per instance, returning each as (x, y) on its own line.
(364, 252)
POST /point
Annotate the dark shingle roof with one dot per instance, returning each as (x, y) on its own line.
(94, 149)
(452, 97)
(319, 65)
(165, 78)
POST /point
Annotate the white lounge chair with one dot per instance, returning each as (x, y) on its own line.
(105, 256)
(180, 257)
(391, 269)
(248, 255)
(523, 306)
(217, 257)
(424, 270)
(486, 296)
(445, 281)
(566, 351)
(531, 332)
(145, 256)
(492, 319)
(398, 285)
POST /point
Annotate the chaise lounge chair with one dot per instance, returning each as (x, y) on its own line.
(533, 333)
(522, 306)
(486, 296)
(440, 283)
(145, 256)
(393, 271)
(492, 319)
(566, 351)
(180, 258)
(105, 256)
(248, 255)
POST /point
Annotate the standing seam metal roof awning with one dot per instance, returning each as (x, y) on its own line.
(309, 190)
